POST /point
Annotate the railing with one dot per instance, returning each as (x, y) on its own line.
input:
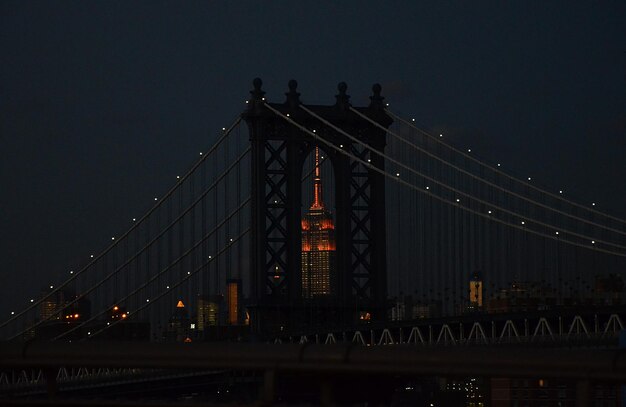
(584, 366)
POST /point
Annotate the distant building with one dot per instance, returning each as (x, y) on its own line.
(521, 297)
(318, 245)
(476, 291)
(208, 311)
(52, 304)
(233, 302)
(179, 324)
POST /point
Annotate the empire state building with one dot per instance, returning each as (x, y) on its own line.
(318, 245)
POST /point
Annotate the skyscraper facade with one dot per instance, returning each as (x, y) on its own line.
(318, 245)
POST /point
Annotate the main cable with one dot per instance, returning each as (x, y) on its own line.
(500, 172)
(487, 182)
(143, 249)
(185, 278)
(134, 226)
(428, 193)
(455, 190)
(167, 268)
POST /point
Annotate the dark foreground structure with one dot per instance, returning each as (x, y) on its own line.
(323, 374)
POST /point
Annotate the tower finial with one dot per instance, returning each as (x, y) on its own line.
(376, 99)
(293, 97)
(317, 183)
(257, 94)
(343, 99)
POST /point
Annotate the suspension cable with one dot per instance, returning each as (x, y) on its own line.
(455, 190)
(500, 172)
(478, 178)
(185, 278)
(167, 268)
(134, 226)
(427, 192)
(148, 245)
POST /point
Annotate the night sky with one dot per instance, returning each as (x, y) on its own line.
(103, 103)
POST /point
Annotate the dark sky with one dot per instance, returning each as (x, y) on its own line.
(102, 103)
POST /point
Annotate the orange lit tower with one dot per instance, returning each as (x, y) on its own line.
(318, 245)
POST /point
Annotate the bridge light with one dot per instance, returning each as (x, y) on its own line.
(593, 242)
(209, 256)
(458, 200)
(12, 312)
(387, 104)
(427, 187)
(200, 152)
(529, 178)
(178, 177)
(441, 135)
(71, 271)
(32, 300)
(397, 174)
(340, 145)
(498, 164)
(523, 223)
(287, 114)
(189, 273)
(489, 212)
(147, 299)
(113, 238)
(369, 160)
(88, 333)
(223, 128)
(91, 256)
(593, 204)
(560, 191)
(556, 233)
(314, 131)
(469, 150)
(413, 120)
(156, 199)
(247, 102)
(51, 286)
(134, 219)
(167, 287)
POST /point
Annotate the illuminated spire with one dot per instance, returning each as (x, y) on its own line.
(317, 184)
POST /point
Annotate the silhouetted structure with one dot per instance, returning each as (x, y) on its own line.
(278, 152)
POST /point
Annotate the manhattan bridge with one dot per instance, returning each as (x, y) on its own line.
(418, 241)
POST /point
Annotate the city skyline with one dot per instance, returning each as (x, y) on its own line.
(88, 114)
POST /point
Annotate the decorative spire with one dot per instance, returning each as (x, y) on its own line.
(257, 95)
(343, 99)
(376, 99)
(293, 97)
(317, 183)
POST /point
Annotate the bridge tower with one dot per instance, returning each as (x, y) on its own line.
(279, 150)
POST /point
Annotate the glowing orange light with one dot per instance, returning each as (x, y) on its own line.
(115, 308)
(123, 315)
(180, 304)
(76, 315)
